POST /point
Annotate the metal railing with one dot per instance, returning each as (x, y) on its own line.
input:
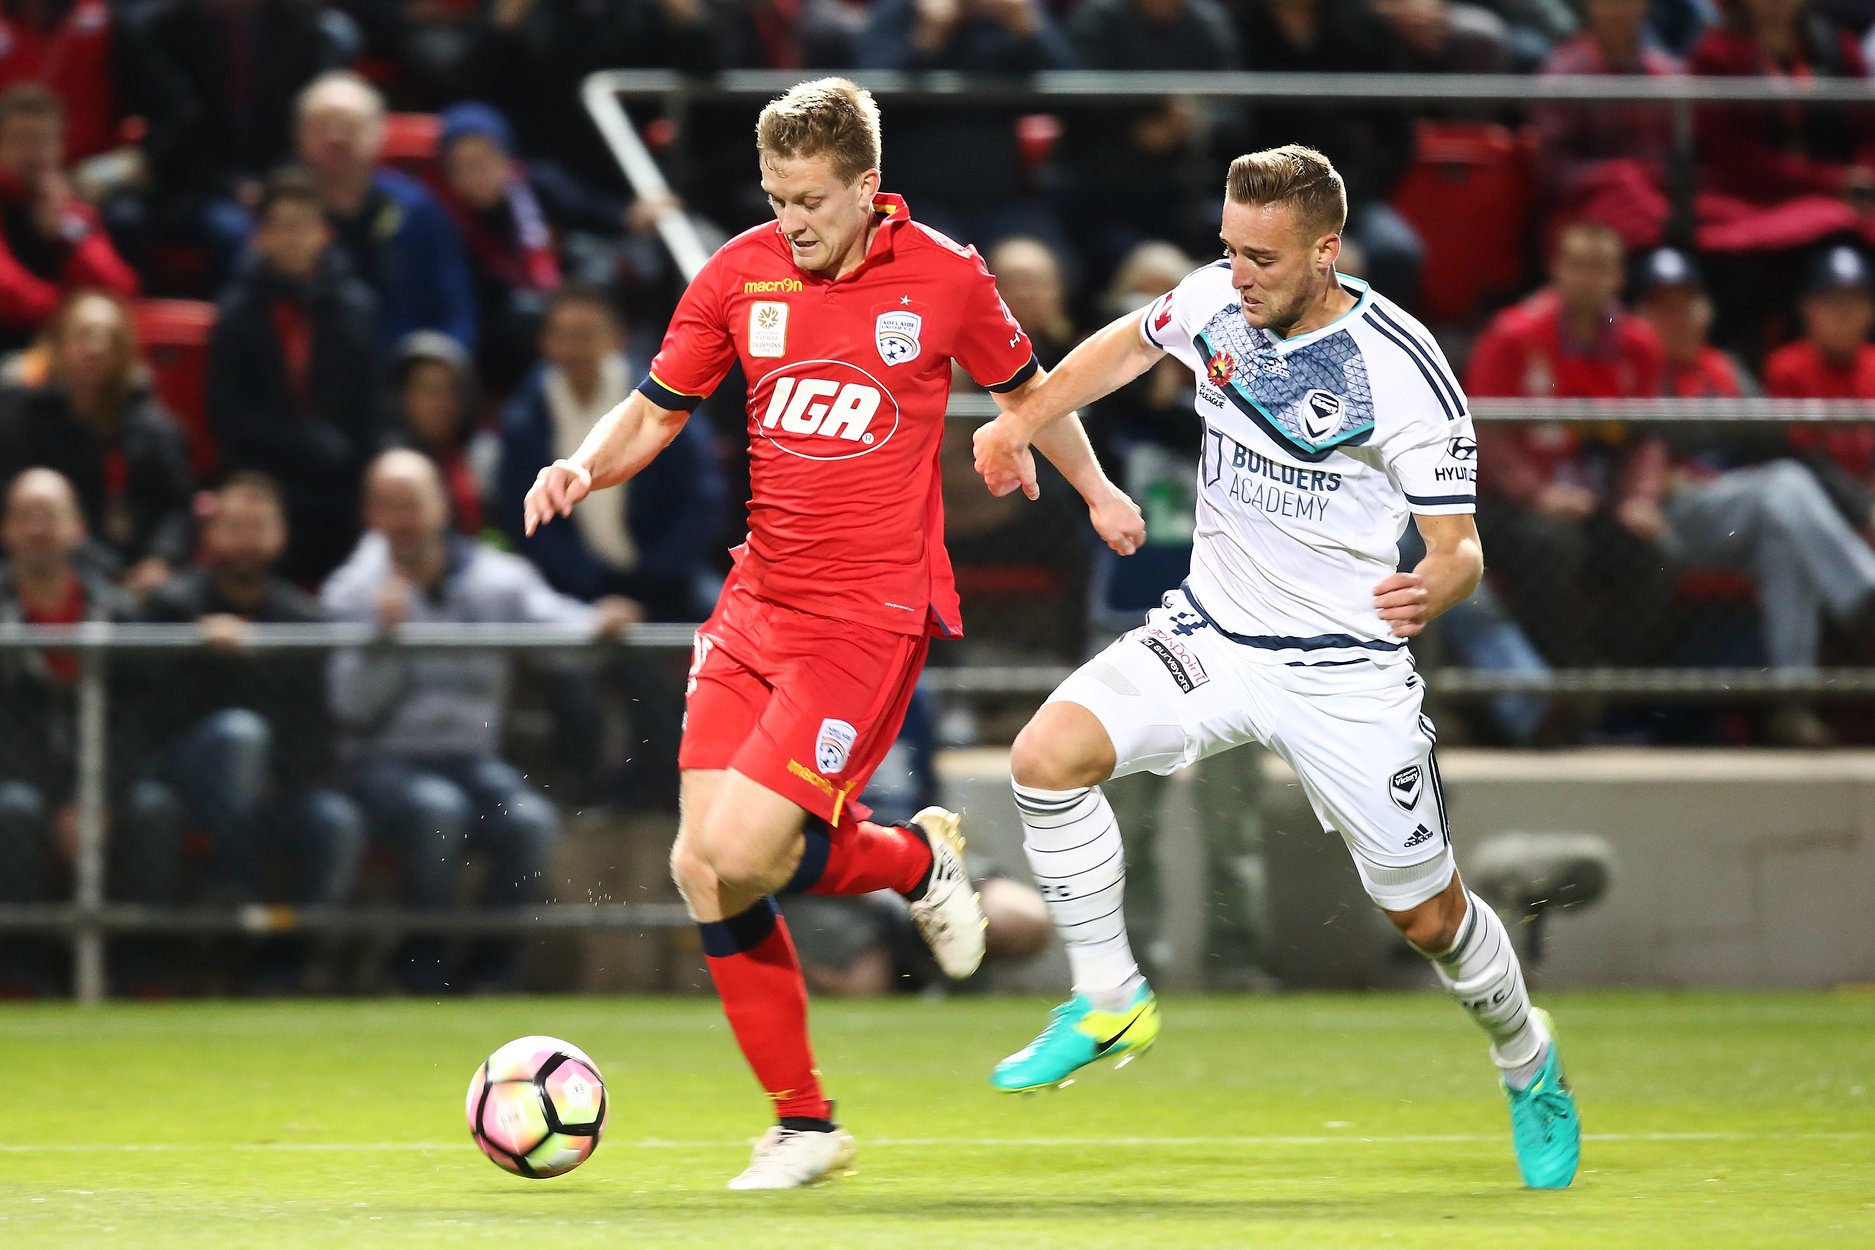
(604, 94)
(90, 916)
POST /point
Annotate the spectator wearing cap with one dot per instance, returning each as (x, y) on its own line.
(436, 406)
(294, 389)
(1609, 162)
(1670, 295)
(518, 219)
(1834, 360)
(1571, 505)
(50, 242)
(1771, 520)
(512, 264)
(395, 235)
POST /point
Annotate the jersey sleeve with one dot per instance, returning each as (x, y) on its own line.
(991, 345)
(1425, 434)
(1161, 323)
(697, 350)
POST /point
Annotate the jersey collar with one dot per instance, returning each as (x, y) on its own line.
(1363, 298)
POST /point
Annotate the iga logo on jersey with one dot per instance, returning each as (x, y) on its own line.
(825, 410)
(896, 334)
(834, 745)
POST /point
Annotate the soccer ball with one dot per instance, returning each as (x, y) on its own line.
(537, 1107)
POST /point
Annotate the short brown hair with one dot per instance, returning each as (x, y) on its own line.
(289, 184)
(829, 117)
(254, 482)
(1294, 175)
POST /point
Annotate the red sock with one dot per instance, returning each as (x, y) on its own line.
(758, 977)
(860, 858)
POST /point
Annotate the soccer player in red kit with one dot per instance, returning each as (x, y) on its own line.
(846, 316)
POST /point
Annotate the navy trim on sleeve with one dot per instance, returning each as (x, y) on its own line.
(1021, 376)
(664, 397)
(1439, 501)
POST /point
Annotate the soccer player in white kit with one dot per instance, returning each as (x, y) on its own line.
(1330, 417)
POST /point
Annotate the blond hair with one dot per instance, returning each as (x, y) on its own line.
(1294, 175)
(829, 117)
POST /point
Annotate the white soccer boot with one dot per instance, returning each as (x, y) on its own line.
(788, 1158)
(950, 915)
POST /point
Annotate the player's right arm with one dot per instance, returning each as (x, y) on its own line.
(1099, 366)
(615, 450)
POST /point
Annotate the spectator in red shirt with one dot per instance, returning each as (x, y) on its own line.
(70, 47)
(50, 243)
(1571, 504)
(1771, 520)
(1780, 177)
(1607, 163)
(1670, 295)
(1834, 360)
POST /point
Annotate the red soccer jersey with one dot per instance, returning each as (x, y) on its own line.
(848, 383)
(1799, 371)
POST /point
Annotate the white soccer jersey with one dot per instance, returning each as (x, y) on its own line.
(1316, 449)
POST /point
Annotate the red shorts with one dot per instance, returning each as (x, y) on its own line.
(805, 705)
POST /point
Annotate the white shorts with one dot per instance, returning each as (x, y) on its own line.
(1175, 691)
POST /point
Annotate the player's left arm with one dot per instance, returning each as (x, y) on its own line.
(1115, 517)
(1452, 569)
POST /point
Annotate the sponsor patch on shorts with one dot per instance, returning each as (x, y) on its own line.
(1177, 658)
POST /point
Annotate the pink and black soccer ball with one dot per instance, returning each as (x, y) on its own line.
(537, 1107)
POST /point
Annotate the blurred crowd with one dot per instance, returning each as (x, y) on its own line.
(297, 296)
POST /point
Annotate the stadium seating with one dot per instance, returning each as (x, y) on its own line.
(1468, 194)
(410, 143)
(175, 334)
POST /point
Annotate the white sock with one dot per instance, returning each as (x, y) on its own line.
(1073, 843)
(1483, 974)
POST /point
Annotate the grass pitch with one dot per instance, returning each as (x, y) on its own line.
(1713, 1121)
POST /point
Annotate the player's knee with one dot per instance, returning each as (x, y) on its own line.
(1063, 747)
(692, 872)
(743, 866)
